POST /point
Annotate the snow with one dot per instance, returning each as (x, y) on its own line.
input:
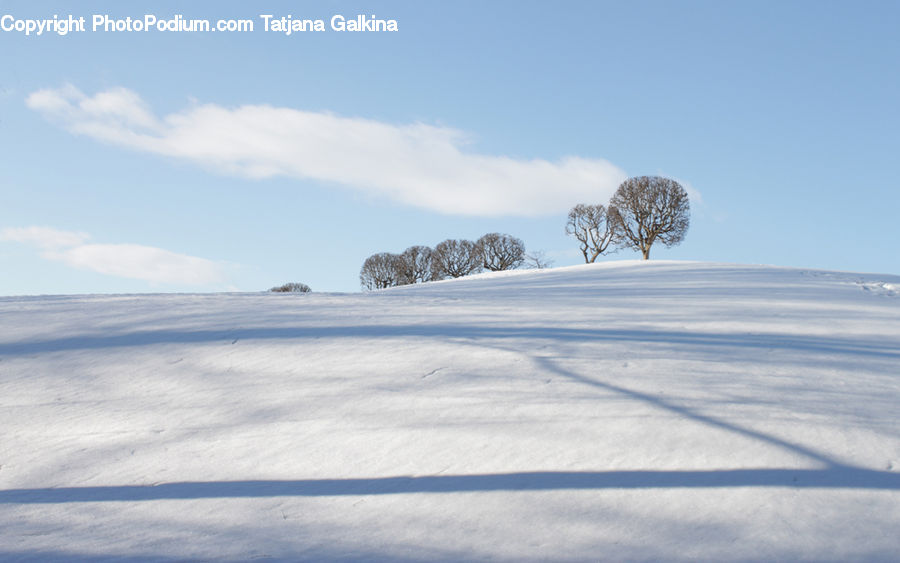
(619, 411)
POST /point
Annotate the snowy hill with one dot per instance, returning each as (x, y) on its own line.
(621, 411)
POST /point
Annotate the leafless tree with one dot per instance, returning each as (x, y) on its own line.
(416, 264)
(537, 260)
(500, 252)
(292, 287)
(647, 209)
(380, 271)
(590, 224)
(455, 258)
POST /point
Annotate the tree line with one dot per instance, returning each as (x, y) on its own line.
(643, 210)
(452, 258)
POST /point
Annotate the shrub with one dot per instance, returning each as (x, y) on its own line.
(292, 287)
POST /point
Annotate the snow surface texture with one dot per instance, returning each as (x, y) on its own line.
(627, 410)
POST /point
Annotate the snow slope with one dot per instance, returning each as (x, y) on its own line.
(621, 411)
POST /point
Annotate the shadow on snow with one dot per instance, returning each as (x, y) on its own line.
(771, 341)
(830, 478)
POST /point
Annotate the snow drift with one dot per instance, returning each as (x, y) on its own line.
(626, 410)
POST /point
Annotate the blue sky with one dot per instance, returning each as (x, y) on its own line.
(150, 162)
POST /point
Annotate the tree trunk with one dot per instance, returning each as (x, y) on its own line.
(646, 253)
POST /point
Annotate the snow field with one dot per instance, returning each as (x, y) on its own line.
(627, 410)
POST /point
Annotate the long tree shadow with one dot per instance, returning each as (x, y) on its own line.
(815, 344)
(687, 413)
(832, 474)
(837, 477)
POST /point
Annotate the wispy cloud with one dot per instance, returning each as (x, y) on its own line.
(134, 261)
(44, 237)
(415, 164)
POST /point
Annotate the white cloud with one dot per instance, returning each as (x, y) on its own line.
(123, 260)
(143, 262)
(43, 237)
(415, 164)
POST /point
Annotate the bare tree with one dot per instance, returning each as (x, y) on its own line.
(537, 260)
(416, 264)
(647, 209)
(292, 287)
(380, 271)
(500, 252)
(590, 224)
(455, 258)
